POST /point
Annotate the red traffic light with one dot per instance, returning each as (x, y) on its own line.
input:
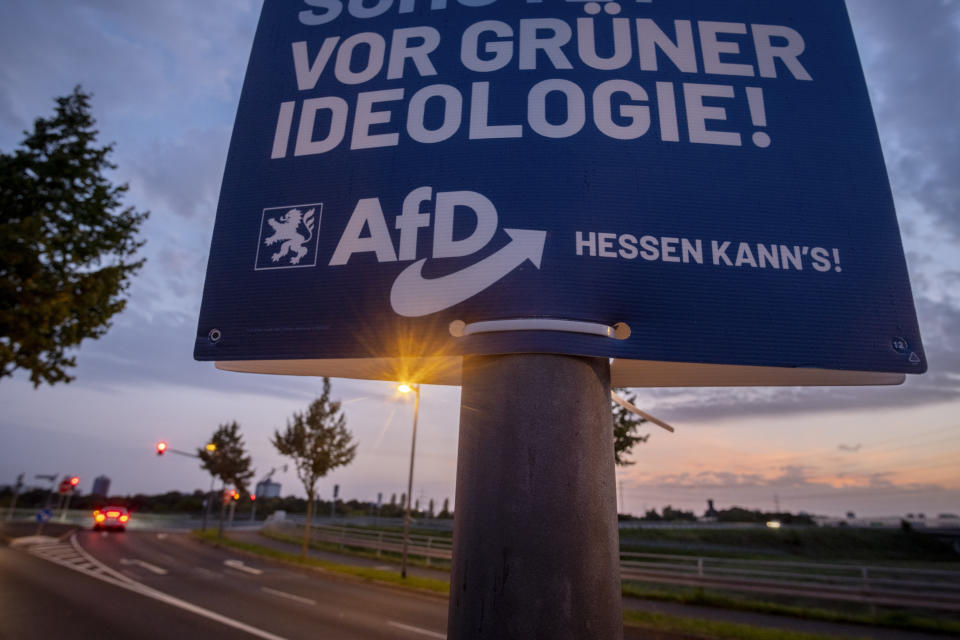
(235, 494)
(253, 497)
(74, 481)
(161, 447)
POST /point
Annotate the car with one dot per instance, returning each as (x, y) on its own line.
(111, 518)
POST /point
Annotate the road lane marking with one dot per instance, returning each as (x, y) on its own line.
(239, 566)
(85, 563)
(423, 632)
(288, 596)
(146, 565)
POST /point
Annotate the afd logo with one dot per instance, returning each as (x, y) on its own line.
(288, 237)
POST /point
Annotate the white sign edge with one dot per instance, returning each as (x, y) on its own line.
(445, 370)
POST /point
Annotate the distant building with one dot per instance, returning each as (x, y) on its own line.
(268, 489)
(101, 486)
(711, 511)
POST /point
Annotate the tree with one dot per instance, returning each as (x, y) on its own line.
(625, 425)
(227, 460)
(317, 441)
(67, 247)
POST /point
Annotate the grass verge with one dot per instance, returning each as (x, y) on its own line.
(363, 573)
(714, 630)
(697, 596)
(333, 547)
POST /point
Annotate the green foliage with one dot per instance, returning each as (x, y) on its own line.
(317, 441)
(625, 425)
(229, 462)
(66, 246)
(739, 514)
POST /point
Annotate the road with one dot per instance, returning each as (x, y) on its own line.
(149, 585)
(142, 584)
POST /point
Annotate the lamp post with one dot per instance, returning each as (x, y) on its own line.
(407, 388)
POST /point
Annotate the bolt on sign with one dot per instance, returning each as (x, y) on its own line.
(693, 188)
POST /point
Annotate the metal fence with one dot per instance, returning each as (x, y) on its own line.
(429, 548)
(872, 585)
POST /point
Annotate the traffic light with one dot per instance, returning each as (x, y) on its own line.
(234, 494)
(253, 497)
(74, 481)
(161, 447)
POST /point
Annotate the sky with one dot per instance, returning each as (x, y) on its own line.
(166, 78)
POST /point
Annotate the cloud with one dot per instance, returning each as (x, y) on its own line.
(183, 175)
(849, 448)
(912, 61)
(800, 481)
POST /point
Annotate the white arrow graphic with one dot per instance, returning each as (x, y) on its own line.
(413, 295)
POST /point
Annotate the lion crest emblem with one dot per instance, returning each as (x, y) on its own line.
(287, 231)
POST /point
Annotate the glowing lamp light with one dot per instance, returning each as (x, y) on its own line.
(211, 447)
(161, 447)
(774, 524)
(404, 388)
(74, 481)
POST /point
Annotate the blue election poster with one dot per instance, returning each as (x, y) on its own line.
(682, 181)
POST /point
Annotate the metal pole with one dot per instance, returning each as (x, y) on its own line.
(406, 513)
(206, 509)
(46, 503)
(66, 507)
(223, 510)
(16, 493)
(535, 543)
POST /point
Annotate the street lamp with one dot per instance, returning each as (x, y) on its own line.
(407, 388)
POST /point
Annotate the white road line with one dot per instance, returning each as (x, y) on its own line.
(96, 569)
(239, 566)
(145, 565)
(288, 596)
(423, 632)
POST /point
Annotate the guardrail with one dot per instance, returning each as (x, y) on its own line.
(429, 548)
(872, 585)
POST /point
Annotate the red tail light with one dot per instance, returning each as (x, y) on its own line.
(113, 514)
(124, 518)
